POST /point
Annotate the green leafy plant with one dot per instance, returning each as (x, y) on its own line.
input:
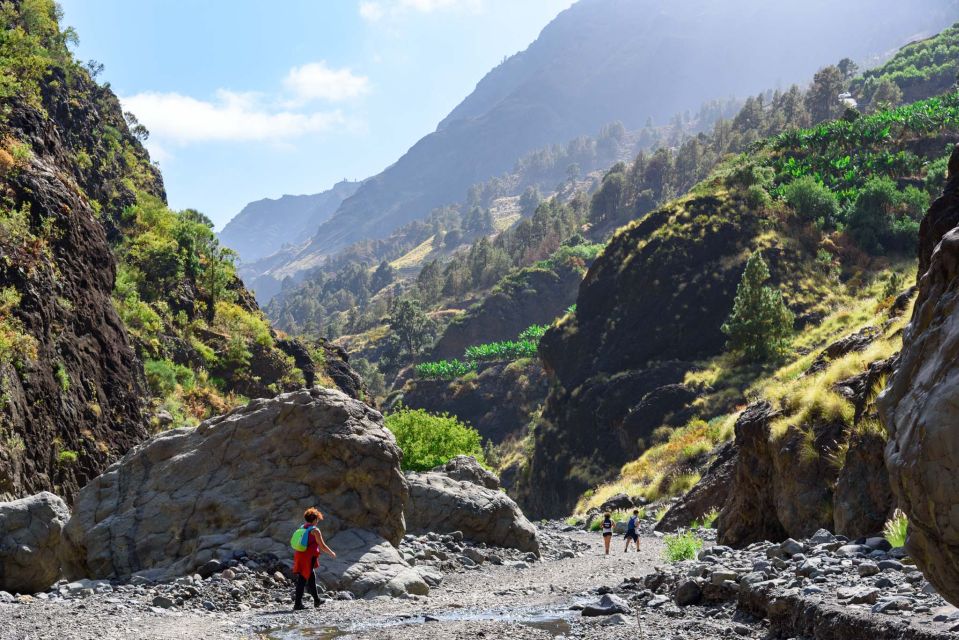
(428, 439)
(67, 457)
(681, 546)
(443, 369)
(62, 376)
(896, 529)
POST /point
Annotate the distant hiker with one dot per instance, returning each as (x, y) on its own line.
(607, 531)
(632, 535)
(308, 544)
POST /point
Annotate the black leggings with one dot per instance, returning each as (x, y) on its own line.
(301, 583)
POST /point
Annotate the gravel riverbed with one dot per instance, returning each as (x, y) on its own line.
(481, 592)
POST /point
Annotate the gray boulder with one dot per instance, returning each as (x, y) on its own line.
(467, 469)
(30, 536)
(442, 504)
(240, 482)
(368, 565)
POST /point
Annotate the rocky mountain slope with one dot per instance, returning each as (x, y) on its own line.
(118, 316)
(265, 226)
(553, 92)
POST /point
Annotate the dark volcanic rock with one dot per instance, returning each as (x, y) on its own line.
(82, 389)
(941, 218)
(711, 492)
(750, 512)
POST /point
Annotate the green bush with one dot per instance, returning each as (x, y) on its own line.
(163, 377)
(706, 522)
(443, 369)
(896, 529)
(428, 440)
(681, 546)
(63, 378)
(67, 457)
(506, 350)
(534, 332)
(812, 201)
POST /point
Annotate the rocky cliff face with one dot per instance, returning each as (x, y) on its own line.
(98, 278)
(74, 384)
(919, 405)
(533, 296)
(619, 362)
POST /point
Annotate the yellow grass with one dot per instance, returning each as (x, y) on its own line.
(415, 256)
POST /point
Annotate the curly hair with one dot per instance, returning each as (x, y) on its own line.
(312, 514)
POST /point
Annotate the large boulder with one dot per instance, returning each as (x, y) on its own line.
(467, 469)
(368, 565)
(240, 482)
(443, 504)
(920, 409)
(30, 534)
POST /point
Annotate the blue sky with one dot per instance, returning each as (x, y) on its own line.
(247, 99)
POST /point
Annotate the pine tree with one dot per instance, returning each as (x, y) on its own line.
(760, 323)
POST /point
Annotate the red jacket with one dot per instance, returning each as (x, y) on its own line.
(305, 561)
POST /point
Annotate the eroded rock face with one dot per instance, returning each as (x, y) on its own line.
(711, 492)
(920, 409)
(30, 534)
(240, 481)
(467, 469)
(750, 512)
(442, 504)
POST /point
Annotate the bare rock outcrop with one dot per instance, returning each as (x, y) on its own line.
(467, 469)
(30, 534)
(240, 482)
(442, 504)
(920, 409)
(711, 492)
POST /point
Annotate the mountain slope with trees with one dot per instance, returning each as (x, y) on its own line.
(596, 63)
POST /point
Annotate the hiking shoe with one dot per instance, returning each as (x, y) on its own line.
(298, 606)
(316, 603)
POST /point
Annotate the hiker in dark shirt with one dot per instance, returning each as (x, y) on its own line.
(632, 535)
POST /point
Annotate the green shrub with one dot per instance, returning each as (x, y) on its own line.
(163, 377)
(67, 457)
(428, 440)
(681, 546)
(506, 350)
(62, 376)
(443, 369)
(896, 529)
(812, 201)
(533, 332)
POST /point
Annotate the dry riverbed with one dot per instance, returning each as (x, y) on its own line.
(508, 596)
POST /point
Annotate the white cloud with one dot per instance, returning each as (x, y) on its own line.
(234, 117)
(317, 81)
(371, 11)
(374, 10)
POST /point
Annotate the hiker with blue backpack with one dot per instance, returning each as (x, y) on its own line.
(308, 544)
